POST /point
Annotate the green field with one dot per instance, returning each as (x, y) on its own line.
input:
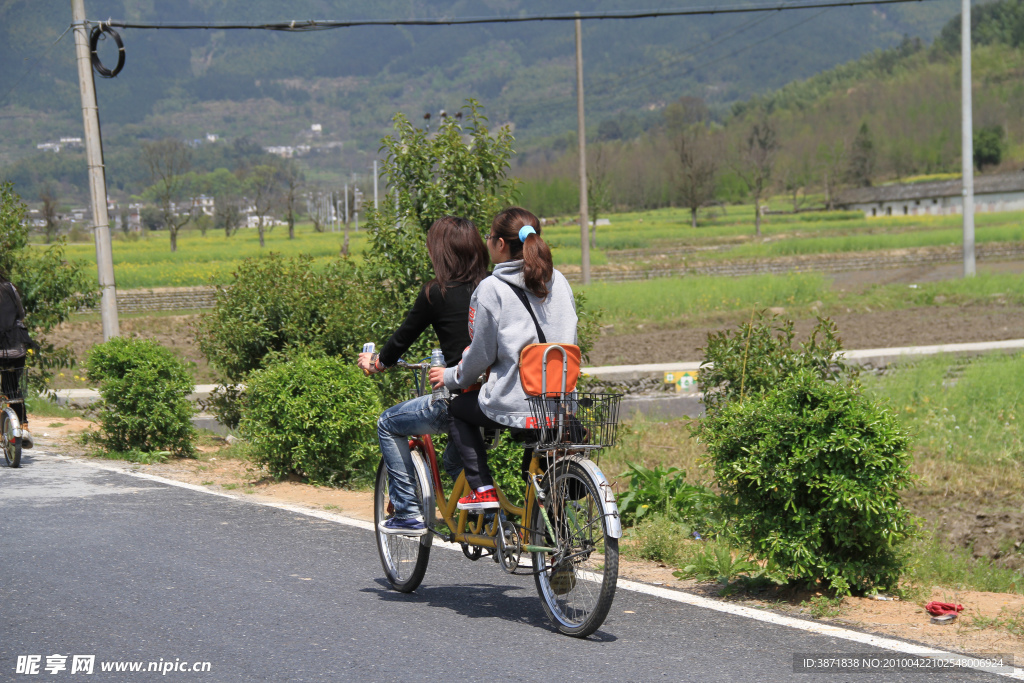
(146, 261)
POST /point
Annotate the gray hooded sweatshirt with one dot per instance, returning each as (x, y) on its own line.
(500, 327)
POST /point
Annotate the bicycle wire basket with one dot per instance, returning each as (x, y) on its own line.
(13, 384)
(575, 420)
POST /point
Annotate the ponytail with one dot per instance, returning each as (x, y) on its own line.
(537, 265)
(521, 231)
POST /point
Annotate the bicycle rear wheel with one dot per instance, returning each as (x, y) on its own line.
(577, 583)
(404, 558)
(11, 443)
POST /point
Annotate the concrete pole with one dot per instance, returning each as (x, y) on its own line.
(376, 206)
(346, 205)
(97, 175)
(581, 124)
(967, 144)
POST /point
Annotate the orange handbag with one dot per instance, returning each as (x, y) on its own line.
(534, 357)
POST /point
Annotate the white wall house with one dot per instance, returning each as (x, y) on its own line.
(992, 193)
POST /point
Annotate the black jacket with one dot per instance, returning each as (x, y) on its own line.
(448, 315)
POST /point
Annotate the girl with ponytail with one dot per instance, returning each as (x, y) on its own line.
(500, 326)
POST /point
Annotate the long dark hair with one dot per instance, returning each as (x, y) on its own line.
(535, 253)
(457, 253)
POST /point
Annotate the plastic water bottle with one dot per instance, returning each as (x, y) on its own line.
(437, 361)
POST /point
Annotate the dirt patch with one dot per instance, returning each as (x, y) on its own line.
(866, 330)
(989, 623)
(172, 331)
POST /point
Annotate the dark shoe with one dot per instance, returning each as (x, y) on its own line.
(479, 501)
(403, 527)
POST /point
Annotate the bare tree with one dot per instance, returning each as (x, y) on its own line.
(168, 161)
(697, 169)
(598, 189)
(264, 183)
(755, 162)
(795, 177)
(318, 208)
(831, 159)
(292, 179)
(48, 196)
(226, 214)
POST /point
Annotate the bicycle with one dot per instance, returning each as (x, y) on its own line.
(569, 523)
(13, 384)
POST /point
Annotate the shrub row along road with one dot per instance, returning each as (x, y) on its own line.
(127, 569)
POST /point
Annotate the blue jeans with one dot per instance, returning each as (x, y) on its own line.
(394, 427)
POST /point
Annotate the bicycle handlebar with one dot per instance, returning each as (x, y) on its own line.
(412, 366)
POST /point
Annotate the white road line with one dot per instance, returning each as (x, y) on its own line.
(654, 591)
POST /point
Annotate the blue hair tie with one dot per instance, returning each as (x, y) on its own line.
(525, 232)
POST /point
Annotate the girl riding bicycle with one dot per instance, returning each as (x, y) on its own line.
(501, 325)
(15, 343)
(460, 263)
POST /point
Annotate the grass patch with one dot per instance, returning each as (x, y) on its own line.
(672, 298)
(659, 539)
(135, 456)
(935, 564)
(966, 415)
(38, 406)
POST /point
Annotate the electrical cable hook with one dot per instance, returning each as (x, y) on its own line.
(94, 39)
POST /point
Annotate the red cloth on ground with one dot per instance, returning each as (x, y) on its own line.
(937, 609)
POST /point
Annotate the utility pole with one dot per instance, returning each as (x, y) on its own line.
(376, 206)
(97, 175)
(581, 123)
(967, 143)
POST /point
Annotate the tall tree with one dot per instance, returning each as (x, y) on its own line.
(460, 170)
(168, 161)
(264, 183)
(48, 196)
(697, 167)
(755, 161)
(599, 196)
(862, 157)
(292, 179)
(831, 158)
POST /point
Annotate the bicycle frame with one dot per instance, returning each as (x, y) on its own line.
(479, 533)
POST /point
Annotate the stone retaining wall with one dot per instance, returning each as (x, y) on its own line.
(191, 298)
(829, 263)
(165, 299)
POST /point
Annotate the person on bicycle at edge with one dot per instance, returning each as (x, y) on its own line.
(14, 346)
(501, 326)
(460, 262)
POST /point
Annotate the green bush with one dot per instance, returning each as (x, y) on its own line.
(315, 417)
(661, 491)
(144, 389)
(810, 473)
(276, 304)
(759, 355)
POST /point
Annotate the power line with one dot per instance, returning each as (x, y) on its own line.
(320, 25)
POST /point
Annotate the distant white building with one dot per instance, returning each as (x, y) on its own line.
(283, 151)
(71, 142)
(992, 194)
(316, 128)
(212, 137)
(49, 146)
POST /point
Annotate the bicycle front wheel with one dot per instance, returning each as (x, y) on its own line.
(577, 581)
(11, 443)
(404, 558)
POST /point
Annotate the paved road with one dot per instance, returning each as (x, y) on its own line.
(105, 564)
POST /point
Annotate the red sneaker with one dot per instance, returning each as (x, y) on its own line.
(479, 501)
